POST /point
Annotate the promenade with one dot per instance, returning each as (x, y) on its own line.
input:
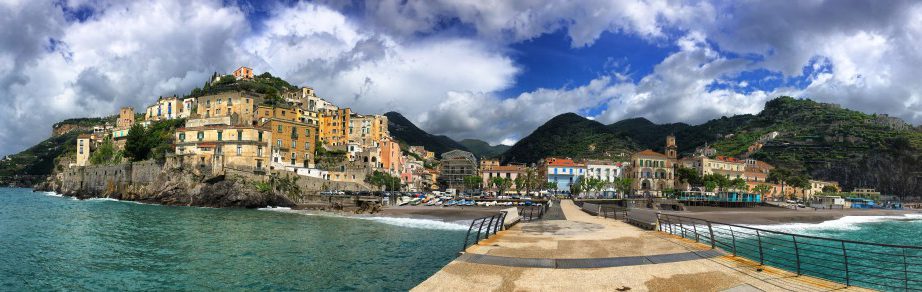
(589, 253)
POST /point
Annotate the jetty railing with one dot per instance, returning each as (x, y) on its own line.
(481, 228)
(530, 213)
(884, 267)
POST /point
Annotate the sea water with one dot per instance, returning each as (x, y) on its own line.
(50, 242)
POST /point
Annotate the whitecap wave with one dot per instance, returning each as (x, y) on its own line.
(270, 208)
(104, 199)
(844, 223)
(53, 194)
(418, 223)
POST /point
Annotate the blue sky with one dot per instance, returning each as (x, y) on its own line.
(466, 69)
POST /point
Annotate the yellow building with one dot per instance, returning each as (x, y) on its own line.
(294, 141)
(166, 108)
(240, 147)
(816, 187)
(652, 173)
(367, 130)
(729, 167)
(239, 105)
(122, 125)
(334, 126)
(85, 147)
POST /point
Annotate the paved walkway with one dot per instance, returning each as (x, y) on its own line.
(554, 212)
(588, 253)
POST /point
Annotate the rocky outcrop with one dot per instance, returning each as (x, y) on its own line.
(150, 182)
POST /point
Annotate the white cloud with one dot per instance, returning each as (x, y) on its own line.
(444, 64)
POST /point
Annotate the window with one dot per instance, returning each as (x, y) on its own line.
(307, 145)
(239, 150)
(280, 128)
(259, 151)
(239, 135)
(182, 137)
(81, 148)
(278, 142)
(260, 136)
(201, 135)
(294, 144)
(220, 135)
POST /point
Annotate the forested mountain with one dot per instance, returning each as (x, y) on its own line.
(407, 133)
(570, 135)
(483, 149)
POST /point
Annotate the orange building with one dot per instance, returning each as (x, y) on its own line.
(243, 73)
(334, 126)
(390, 156)
(294, 141)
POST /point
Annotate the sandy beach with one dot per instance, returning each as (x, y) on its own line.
(773, 215)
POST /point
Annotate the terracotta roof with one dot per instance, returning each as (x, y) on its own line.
(649, 152)
(554, 161)
(728, 159)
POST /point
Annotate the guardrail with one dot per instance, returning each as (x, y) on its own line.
(484, 226)
(878, 266)
(530, 213)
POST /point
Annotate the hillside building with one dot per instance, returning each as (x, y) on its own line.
(293, 140)
(456, 165)
(86, 144)
(367, 130)
(126, 118)
(241, 147)
(562, 171)
(243, 73)
(334, 126)
(239, 106)
(490, 168)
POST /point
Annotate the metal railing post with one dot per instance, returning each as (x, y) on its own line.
(711, 233)
(796, 254)
(502, 221)
(761, 255)
(489, 225)
(845, 254)
(479, 229)
(682, 227)
(695, 228)
(733, 236)
(468, 235)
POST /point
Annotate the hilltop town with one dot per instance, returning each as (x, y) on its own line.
(262, 130)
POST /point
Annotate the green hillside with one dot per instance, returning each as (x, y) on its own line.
(823, 141)
(407, 133)
(483, 149)
(570, 135)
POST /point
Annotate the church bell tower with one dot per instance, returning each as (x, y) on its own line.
(671, 149)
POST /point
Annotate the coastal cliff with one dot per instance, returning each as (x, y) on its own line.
(151, 182)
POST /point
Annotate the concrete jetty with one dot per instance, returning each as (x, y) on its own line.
(589, 253)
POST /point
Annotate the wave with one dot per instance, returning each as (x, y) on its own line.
(844, 223)
(279, 209)
(417, 223)
(53, 194)
(104, 199)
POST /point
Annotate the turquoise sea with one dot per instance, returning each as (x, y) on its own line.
(50, 242)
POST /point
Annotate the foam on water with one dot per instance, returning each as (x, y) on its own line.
(844, 223)
(273, 208)
(418, 223)
(104, 199)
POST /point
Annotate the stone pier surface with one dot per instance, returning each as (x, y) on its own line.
(589, 253)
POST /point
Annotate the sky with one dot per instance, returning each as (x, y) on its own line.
(491, 70)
